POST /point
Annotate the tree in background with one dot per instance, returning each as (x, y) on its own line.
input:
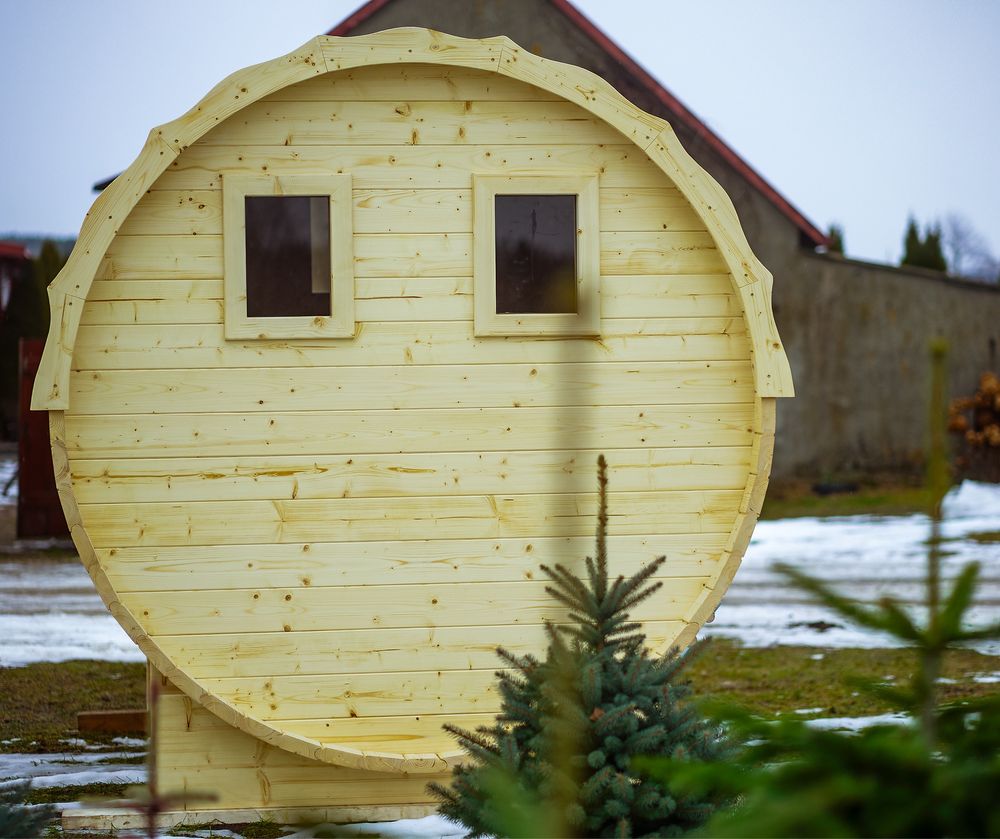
(836, 238)
(923, 251)
(27, 317)
(558, 759)
(967, 250)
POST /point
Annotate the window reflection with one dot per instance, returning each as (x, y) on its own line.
(288, 255)
(536, 254)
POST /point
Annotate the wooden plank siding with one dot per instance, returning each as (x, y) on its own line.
(199, 212)
(332, 536)
(326, 563)
(412, 255)
(198, 752)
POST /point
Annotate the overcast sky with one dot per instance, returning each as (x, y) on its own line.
(858, 111)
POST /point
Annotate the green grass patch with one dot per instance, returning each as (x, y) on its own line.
(56, 795)
(126, 760)
(781, 680)
(986, 537)
(39, 702)
(789, 501)
(263, 829)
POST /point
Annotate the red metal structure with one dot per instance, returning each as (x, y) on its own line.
(39, 512)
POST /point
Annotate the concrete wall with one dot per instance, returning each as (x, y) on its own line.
(857, 334)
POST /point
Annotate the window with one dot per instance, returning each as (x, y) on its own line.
(537, 255)
(287, 243)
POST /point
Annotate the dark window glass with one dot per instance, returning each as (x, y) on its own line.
(536, 254)
(288, 255)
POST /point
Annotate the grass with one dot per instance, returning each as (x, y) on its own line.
(56, 795)
(263, 829)
(794, 500)
(781, 680)
(39, 702)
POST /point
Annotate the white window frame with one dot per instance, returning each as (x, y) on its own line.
(340, 323)
(587, 319)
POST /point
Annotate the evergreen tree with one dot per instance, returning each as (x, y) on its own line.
(836, 239)
(912, 243)
(936, 777)
(559, 758)
(923, 251)
(19, 820)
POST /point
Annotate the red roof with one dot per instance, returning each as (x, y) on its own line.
(13, 250)
(678, 111)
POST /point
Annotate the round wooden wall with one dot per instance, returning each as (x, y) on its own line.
(324, 541)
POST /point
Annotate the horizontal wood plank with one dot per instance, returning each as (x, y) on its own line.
(406, 387)
(360, 695)
(353, 608)
(191, 730)
(388, 300)
(407, 121)
(300, 786)
(253, 654)
(193, 346)
(434, 517)
(412, 255)
(384, 82)
(175, 213)
(412, 167)
(367, 432)
(302, 565)
(412, 211)
(199, 212)
(647, 208)
(667, 252)
(376, 476)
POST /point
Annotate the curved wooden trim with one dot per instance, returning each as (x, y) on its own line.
(113, 205)
(753, 499)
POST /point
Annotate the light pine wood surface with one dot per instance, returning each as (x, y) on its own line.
(320, 542)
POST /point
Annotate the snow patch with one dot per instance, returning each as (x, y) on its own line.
(858, 723)
(865, 557)
(33, 766)
(110, 775)
(429, 827)
(8, 483)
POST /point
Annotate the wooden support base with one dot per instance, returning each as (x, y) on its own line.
(113, 722)
(198, 755)
(113, 819)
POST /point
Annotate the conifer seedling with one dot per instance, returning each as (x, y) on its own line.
(558, 760)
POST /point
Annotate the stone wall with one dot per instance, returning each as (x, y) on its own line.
(858, 338)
